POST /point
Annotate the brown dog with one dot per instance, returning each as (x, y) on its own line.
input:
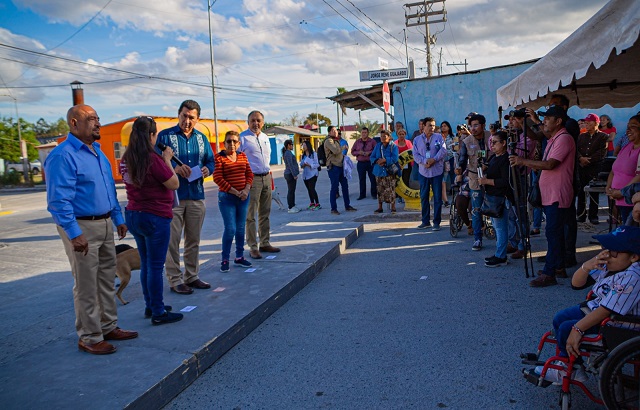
(128, 259)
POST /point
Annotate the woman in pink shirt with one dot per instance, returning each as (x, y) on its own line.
(626, 168)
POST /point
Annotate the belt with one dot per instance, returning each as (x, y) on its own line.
(261, 175)
(94, 218)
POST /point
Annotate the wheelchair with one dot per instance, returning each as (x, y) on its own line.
(455, 220)
(612, 356)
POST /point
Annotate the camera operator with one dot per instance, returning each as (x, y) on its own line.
(591, 150)
(472, 149)
(556, 188)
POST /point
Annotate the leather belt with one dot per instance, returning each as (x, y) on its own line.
(95, 217)
(261, 175)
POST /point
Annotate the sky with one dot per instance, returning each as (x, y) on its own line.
(281, 57)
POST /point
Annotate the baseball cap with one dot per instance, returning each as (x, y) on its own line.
(471, 114)
(623, 239)
(554, 111)
(592, 117)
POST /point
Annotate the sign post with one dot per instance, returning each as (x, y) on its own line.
(386, 102)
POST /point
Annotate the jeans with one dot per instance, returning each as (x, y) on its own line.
(427, 184)
(291, 190)
(562, 323)
(366, 168)
(476, 218)
(234, 215)
(501, 225)
(311, 190)
(537, 212)
(554, 232)
(151, 233)
(336, 176)
(623, 214)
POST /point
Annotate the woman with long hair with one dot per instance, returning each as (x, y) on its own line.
(150, 181)
(449, 162)
(291, 172)
(232, 173)
(384, 154)
(310, 166)
(607, 127)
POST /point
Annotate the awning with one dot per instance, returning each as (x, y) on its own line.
(353, 99)
(597, 64)
(281, 129)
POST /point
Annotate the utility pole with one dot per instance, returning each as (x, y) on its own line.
(23, 144)
(213, 76)
(421, 16)
(465, 64)
(440, 63)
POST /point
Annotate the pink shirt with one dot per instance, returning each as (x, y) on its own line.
(556, 185)
(625, 168)
(152, 197)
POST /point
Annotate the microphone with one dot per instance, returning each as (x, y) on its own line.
(162, 147)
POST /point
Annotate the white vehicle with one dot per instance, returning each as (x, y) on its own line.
(34, 166)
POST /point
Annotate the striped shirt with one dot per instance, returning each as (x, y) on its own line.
(228, 174)
(619, 293)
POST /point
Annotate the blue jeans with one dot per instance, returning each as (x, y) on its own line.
(537, 212)
(501, 225)
(366, 168)
(427, 184)
(234, 216)
(476, 218)
(151, 233)
(336, 176)
(554, 232)
(562, 322)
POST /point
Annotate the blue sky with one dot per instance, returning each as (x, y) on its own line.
(279, 56)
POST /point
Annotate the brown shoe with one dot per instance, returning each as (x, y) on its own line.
(255, 254)
(97, 348)
(119, 334)
(511, 249)
(561, 273)
(518, 254)
(543, 281)
(198, 284)
(269, 249)
(182, 289)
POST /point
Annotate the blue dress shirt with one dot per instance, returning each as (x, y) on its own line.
(79, 183)
(437, 150)
(193, 151)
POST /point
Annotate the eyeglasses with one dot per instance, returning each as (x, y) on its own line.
(232, 142)
(614, 254)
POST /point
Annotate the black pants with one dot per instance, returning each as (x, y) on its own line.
(311, 189)
(291, 190)
(585, 177)
(364, 168)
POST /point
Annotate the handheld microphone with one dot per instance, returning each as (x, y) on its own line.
(176, 160)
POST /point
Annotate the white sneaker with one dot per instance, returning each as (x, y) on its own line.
(477, 245)
(294, 210)
(555, 376)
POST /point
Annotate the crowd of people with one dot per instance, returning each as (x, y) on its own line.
(164, 176)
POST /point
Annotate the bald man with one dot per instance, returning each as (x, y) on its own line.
(81, 197)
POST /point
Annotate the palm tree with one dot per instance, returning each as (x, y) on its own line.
(373, 126)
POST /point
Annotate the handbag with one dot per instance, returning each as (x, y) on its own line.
(535, 196)
(492, 206)
(392, 169)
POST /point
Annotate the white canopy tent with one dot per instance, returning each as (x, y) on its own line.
(597, 64)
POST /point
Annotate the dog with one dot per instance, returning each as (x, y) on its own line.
(276, 197)
(127, 259)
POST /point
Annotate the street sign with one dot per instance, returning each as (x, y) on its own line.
(379, 75)
(386, 97)
(383, 64)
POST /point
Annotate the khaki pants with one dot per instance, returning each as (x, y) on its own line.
(260, 202)
(94, 280)
(189, 215)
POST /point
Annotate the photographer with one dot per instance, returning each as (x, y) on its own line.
(472, 149)
(556, 188)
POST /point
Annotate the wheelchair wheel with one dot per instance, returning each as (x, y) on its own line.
(620, 376)
(490, 232)
(453, 224)
(565, 401)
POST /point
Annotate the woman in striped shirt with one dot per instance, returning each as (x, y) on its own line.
(233, 176)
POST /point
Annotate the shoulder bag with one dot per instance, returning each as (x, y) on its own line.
(392, 169)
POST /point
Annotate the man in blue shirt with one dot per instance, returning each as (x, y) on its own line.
(192, 148)
(81, 197)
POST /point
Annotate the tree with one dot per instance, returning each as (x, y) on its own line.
(59, 127)
(317, 119)
(10, 145)
(293, 120)
(373, 126)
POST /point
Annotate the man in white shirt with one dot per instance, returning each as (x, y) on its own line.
(255, 144)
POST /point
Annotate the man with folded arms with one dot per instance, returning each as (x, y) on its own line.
(81, 197)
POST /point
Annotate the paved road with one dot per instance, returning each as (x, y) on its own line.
(403, 319)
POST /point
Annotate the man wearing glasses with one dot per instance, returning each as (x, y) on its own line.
(255, 144)
(429, 152)
(192, 148)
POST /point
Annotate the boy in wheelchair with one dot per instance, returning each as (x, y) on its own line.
(616, 273)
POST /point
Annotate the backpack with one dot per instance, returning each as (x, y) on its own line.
(322, 156)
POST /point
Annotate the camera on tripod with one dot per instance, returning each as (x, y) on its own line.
(519, 113)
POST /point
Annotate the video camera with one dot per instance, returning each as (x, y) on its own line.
(520, 113)
(461, 127)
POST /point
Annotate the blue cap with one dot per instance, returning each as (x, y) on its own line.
(623, 239)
